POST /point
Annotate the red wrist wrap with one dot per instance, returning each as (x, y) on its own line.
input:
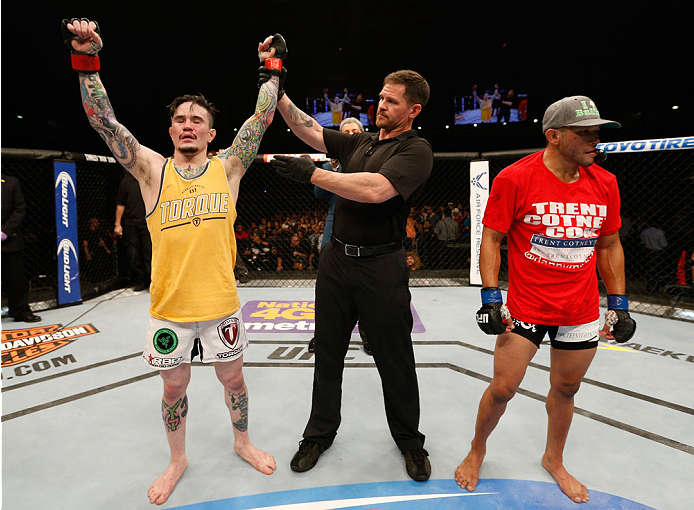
(85, 63)
(274, 64)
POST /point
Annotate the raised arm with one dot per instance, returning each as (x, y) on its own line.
(142, 162)
(302, 124)
(238, 157)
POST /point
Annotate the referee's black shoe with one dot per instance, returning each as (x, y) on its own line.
(307, 456)
(417, 464)
(27, 317)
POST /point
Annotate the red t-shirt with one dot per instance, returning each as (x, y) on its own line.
(552, 228)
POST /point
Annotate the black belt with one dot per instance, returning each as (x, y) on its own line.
(353, 250)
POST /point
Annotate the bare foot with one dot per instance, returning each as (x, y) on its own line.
(260, 460)
(567, 483)
(163, 486)
(468, 473)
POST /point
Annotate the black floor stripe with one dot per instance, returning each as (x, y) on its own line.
(593, 416)
(599, 384)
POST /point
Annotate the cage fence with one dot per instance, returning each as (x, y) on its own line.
(280, 223)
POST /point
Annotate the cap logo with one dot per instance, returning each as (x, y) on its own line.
(587, 110)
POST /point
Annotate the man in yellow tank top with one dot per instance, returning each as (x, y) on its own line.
(190, 202)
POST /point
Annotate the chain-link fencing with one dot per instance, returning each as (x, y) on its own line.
(280, 223)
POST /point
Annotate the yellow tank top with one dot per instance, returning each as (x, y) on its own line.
(193, 247)
(337, 113)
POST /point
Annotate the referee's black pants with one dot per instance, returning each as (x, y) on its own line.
(375, 291)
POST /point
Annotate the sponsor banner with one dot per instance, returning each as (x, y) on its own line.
(661, 144)
(479, 193)
(293, 317)
(66, 231)
(22, 345)
(434, 494)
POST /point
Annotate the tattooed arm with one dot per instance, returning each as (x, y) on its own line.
(137, 159)
(302, 124)
(239, 156)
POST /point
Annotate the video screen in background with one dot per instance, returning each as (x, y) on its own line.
(335, 105)
(482, 104)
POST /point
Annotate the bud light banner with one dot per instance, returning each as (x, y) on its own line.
(66, 231)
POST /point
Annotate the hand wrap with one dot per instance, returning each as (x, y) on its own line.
(264, 75)
(618, 319)
(490, 318)
(81, 62)
(274, 66)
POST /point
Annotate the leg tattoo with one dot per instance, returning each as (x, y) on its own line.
(174, 415)
(239, 402)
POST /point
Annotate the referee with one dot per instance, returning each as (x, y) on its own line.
(363, 273)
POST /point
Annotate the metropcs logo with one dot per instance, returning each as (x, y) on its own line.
(22, 345)
(293, 317)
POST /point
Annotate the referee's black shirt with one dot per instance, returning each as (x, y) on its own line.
(406, 161)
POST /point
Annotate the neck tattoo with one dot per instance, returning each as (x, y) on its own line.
(190, 172)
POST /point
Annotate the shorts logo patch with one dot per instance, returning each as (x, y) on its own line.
(165, 341)
(229, 332)
(525, 325)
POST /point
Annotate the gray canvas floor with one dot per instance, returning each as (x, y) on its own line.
(81, 425)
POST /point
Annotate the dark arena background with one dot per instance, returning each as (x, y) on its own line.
(634, 62)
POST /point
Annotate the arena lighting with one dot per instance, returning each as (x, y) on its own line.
(675, 107)
(20, 116)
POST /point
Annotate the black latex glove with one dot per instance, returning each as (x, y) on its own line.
(297, 169)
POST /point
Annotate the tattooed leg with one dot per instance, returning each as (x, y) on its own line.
(238, 403)
(174, 410)
(174, 415)
(236, 399)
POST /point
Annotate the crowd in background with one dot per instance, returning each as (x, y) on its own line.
(437, 238)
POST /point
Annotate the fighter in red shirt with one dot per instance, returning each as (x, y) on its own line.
(560, 213)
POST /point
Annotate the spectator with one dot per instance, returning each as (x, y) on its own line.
(654, 242)
(295, 256)
(14, 282)
(131, 225)
(97, 250)
(413, 261)
(446, 229)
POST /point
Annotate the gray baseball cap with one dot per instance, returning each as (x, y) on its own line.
(574, 111)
